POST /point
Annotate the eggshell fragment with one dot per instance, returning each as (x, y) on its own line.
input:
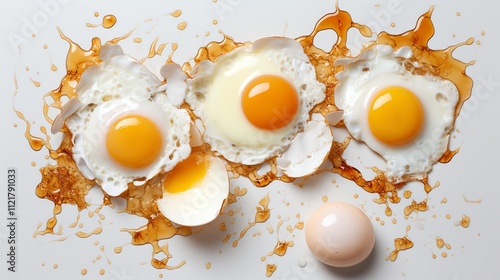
(176, 83)
(307, 151)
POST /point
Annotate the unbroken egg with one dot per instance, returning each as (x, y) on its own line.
(340, 234)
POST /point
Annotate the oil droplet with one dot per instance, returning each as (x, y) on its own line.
(137, 40)
(118, 250)
(439, 242)
(208, 265)
(444, 254)
(215, 22)
(465, 221)
(393, 24)
(182, 25)
(56, 266)
(324, 198)
(458, 14)
(176, 13)
(356, 195)
(222, 227)
(483, 33)
(96, 14)
(35, 83)
(388, 211)
(84, 271)
(33, 163)
(407, 194)
(444, 200)
(108, 21)
(102, 271)
(45, 46)
(160, 275)
(85, 235)
(448, 216)
(53, 67)
(270, 269)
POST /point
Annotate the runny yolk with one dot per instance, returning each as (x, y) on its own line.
(134, 141)
(395, 116)
(270, 102)
(186, 174)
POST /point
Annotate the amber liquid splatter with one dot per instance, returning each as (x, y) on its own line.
(270, 269)
(262, 214)
(401, 244)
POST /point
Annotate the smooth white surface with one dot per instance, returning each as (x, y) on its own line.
(471, 175)
(340, 234)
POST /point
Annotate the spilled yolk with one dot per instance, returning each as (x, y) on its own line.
(270, 102)
(134, 141)
(186, 174)
(395, 116)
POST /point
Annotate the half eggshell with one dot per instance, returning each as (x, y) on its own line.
(307, 151)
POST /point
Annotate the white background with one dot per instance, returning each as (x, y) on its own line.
(472, 173)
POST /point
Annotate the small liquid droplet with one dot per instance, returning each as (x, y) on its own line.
(208, 265)
(302, 262)
(137, 40)
(96, 14)
(84, 271)
(102, 271)
(182, 25)
(108, 21)
(176, 13)
(215, 22)
(35, 83)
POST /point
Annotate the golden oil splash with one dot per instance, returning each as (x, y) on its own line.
(262, 214)
(401, 244)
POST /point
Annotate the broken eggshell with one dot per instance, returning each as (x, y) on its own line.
(307, 151)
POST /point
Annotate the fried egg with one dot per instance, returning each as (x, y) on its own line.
(123, 129)
(195, 191)
(399, 110)
(255, 99)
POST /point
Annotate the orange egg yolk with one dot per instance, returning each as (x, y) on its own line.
(186, 174)
(134, 141)
(270, 102)
(395, 116)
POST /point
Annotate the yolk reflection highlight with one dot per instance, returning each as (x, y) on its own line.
(270, 102)
(186, 174)
(134, 141)
(395, 116)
